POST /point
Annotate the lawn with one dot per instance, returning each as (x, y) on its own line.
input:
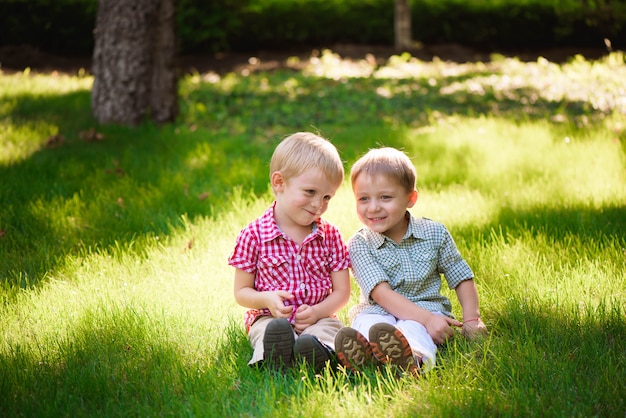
(116, 298)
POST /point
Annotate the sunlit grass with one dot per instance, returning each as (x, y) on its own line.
(22, 94)
(523, 164)
(116, 298)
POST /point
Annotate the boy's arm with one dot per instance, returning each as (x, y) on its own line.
(438, 326)
(467, 294)
(468, 298)
(337, 299)
(340, 295)
(246, 295)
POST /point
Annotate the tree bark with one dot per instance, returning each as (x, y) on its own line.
(133, 62)
(402, 25)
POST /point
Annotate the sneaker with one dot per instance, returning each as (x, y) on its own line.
(353, 350)
(278, 344)
(390, 346)
(310, 349)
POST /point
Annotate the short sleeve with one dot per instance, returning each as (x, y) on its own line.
(367, 271)
(451, 264)
(245, 254)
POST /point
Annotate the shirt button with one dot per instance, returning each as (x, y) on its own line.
(302, 286)
(298, 257)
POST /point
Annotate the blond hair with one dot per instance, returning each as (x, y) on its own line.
(302, 151)
(389, 162)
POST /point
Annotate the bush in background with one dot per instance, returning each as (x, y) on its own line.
(208, 26)
(50, 25)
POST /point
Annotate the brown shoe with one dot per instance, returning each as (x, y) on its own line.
(353, 350)
(390, 346)
(278, 343)
(312, 351)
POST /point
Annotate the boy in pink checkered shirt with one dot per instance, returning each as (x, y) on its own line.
(291, 265)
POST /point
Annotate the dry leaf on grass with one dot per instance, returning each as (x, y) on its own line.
(54, 141)
(91, 135)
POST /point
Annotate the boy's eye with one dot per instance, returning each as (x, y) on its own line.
(363, 199)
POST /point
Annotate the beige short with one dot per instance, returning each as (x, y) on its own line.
(325, 330)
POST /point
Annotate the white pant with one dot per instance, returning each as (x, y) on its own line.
(420, 341)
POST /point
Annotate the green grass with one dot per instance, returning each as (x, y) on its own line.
(116, 298)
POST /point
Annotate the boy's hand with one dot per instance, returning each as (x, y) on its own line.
(305, 317)
(439, 327)
(276, 303)
(474, 329)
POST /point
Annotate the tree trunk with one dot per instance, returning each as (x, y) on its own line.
(133, 62)
(402, 25)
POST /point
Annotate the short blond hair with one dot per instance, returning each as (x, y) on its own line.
(389, 162)
(302, 151)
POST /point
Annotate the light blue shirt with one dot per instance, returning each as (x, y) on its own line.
(412, 268)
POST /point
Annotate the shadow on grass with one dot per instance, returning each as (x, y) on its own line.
(548, 361)
(555, 361)
(122, 363)
(128, 363)
(545, 361)
(138, 183)
(603, 226)
(108, 364)
(134, 184)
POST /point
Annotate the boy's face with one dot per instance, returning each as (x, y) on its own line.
(381, 204)
(301, 200)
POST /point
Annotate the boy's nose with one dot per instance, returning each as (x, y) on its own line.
(317, 203)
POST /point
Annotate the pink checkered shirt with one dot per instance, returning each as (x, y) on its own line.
(279, 263)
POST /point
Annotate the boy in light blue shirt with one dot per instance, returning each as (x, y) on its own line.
(398, 260)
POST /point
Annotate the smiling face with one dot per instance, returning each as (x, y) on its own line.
(301, 200)
(381, 204)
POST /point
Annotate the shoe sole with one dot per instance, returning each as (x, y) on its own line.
(278, 343)
(310, 349)
(390, 346)
(353, 350)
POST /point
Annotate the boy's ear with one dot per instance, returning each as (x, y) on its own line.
(413, 198)
(277, 181)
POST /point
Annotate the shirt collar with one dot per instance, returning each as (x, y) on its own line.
(271, 231)
(269, 228)
(413, 229)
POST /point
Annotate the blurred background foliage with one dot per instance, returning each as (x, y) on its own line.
(210, 26)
